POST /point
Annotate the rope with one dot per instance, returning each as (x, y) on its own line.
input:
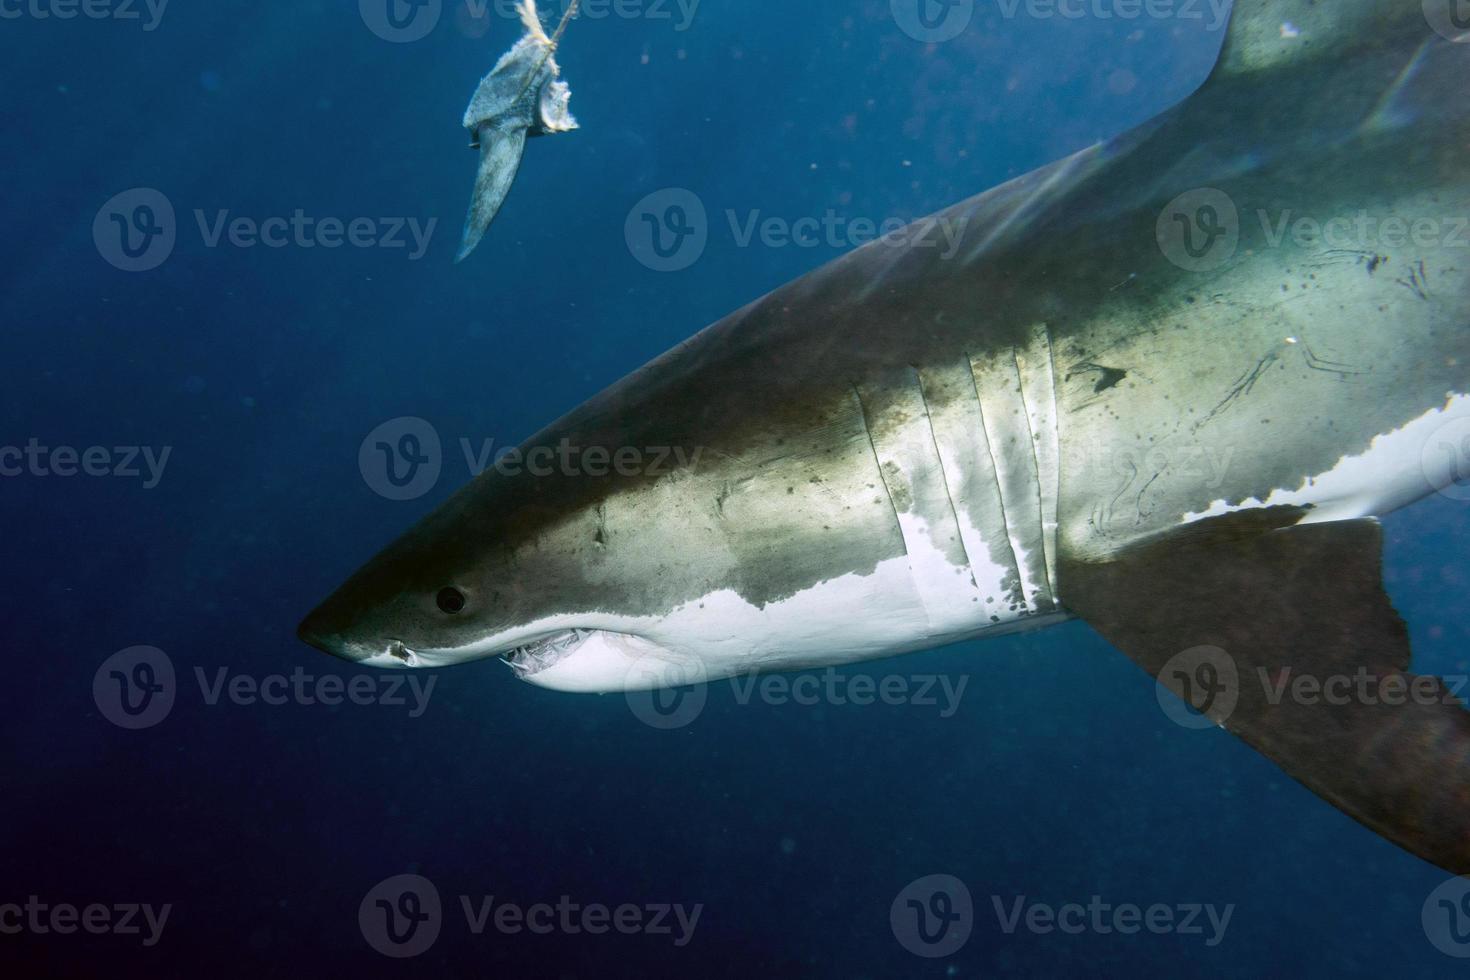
(550, 47)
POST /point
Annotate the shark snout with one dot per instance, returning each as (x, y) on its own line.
(333, 628)
(324, 629)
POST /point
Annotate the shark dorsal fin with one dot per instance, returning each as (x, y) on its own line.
(1268, 34)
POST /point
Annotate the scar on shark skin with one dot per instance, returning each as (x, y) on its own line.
(1110, 376)
(1417, 281)
(522, 96)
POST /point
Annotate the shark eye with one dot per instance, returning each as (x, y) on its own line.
(450, 600)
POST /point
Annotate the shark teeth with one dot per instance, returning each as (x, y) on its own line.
(534, 657)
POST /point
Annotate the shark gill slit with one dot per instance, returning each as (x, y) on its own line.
(878, 465)
(944, 475)
(1052, 521)
(1000, 495)
(1047, 552)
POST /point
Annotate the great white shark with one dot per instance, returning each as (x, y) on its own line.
(902, 449)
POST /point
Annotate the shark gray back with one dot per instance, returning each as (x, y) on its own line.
(1163, 385)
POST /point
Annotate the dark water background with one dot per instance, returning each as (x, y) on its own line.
(794, 827)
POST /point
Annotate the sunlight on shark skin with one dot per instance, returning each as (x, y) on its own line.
(901, 447)
(1388, 114)
(522, 96)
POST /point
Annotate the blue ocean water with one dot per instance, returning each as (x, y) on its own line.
(251, 375)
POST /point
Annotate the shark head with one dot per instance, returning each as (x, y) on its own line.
(508, 568)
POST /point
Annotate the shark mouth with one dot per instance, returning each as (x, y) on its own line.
(594, 661)
(532, 658)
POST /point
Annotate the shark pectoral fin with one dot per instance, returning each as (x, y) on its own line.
(500, 158)
(1319, 660)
